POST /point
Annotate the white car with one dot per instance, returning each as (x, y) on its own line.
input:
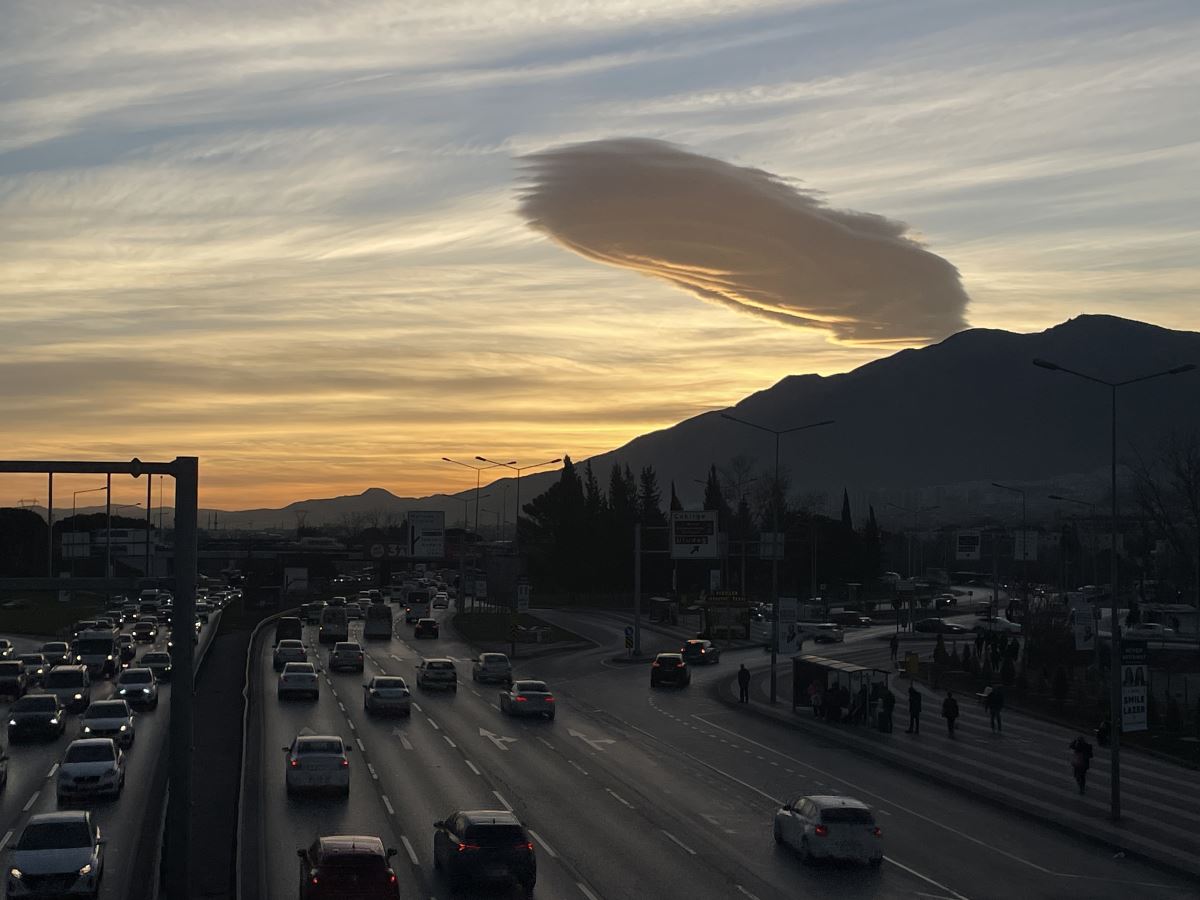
(387, 693)
(137, 687)
(63, 846)
(298, 679)
(829, 827)
(318, 762)
(439, 673)
(1150, 630)
(441, 600)
(91, 767)
(108, 719)
(286, 651)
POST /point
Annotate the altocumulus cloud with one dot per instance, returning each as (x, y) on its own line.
(743, 238)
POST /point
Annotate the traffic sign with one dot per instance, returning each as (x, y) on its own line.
(628, 631)
(694, 534)
(967, 545)
(427, 533)
(524, 590)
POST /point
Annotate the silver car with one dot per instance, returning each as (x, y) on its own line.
(298, 679)
(830, 827)
(64, 848)
(492, 667)
(91, 767)
(439, 673)
(318, 762)
(387, 693)
(286, 651)
(528, 698)
(108, 719)
(138, 687)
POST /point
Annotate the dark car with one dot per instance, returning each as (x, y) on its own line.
(697, 652)
(158, 662)
(57, 653)
(289, 628)
(12, 678)
(347, 867)
(934, 625)
(346, 656)
(36, 715)
(426, 628)
(484, 845)
(36, 666)
(670, 668)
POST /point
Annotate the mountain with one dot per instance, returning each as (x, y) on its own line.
(939, 424)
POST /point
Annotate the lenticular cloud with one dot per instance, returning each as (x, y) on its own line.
(743, 238)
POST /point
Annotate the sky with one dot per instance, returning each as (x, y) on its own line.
(322, 245)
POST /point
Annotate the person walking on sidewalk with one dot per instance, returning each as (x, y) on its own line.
(950, 711)
(1081, 760)
(894, 643)
(743, 684)
(994, 701)
(914, 710)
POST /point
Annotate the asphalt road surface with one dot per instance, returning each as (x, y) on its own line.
(633, 792)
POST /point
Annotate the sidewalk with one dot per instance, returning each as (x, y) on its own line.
(680, 632)
(1026, 768)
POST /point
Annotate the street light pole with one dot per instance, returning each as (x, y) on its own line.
(776, 543)
(1024, 549)
(478, 470)
(916, 512)
(512, 464)
(1114, 609)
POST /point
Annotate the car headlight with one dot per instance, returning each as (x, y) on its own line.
(79, 696)
(109, 658)
(12, 721)
(123, 692)
(87, 729)
(15, 873)
(54, 721)
(86, 870)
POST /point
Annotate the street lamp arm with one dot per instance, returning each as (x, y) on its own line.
(1178, 370)
(806, 427)
(1006, 487)
(1055, 367)
(751, 424)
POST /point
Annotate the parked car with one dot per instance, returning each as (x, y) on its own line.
(528, 698)
(337, 866)
(700, 652)
(108, 719)
(60, 850)
(346, 656)
(318, 762)
(298, 679)
(40, 715)
(387, 693)
(437, 672)
(91, 767)
(670, 668)
(828, 827)
(484, 845)
(492, 667)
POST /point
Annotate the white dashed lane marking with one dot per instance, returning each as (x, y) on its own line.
(408, 847)
(503, 802)
(471, 766)
(388, 804)
(537, 837)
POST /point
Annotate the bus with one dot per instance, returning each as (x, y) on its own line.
(334, 625)
(378, 623)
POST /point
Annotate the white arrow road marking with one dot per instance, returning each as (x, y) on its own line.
(498, 739)
(594, 743)
(403, 740)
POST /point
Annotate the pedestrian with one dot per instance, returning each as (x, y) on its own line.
(950, 711)
(894, 643)
(743, 684)
(994, 701)
(889, 705)
(864, 701)
(1081, 760)
(816, 697)
(914, 710)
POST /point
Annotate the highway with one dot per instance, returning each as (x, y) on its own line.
(123, 822)
(630, 791)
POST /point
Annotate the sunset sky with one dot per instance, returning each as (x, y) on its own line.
(288, 237)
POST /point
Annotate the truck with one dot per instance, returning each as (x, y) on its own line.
(98, 651)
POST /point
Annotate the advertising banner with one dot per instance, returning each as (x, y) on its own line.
(1134, 688)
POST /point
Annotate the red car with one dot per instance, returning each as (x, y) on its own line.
(347, 867)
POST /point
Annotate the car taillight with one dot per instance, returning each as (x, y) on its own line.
(391, 877)
(877, 832)
(295, 763)
(314, 879)
(521, 699)
(549, 699)
(821, 831)
(528, 845)
(656, 664)
(682, 664)
(345, 763)
(464, 847)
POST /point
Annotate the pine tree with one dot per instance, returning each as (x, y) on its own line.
(714, 498)
(649, 498)
(675, 504)
(847, 521)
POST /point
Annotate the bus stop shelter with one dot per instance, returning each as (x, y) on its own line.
(830, 676)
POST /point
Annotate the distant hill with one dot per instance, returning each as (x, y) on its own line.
(937, 424)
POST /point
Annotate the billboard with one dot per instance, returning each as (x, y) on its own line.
(1025, 546)
(1085, 616)
(694, 534)
(790, 636)
(967, 544)
(427, 534)
(1134, 687)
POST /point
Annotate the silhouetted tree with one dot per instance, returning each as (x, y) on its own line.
(675, 504)
(847, 521)
(649, 498)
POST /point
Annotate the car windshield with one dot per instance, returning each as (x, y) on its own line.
(134, 676)
(64, 679)
(389, 684)
(107, 709)
(11, 668)
(532, 687)
(317, 745)
(291, 645)
(95, 645)
(54, 648)
(299, 669)
(495, 835)
(54, 836)
(32, 659)
(847, 815)
(438, 664)
(89, 753)
(350, 868)
(493, 659)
